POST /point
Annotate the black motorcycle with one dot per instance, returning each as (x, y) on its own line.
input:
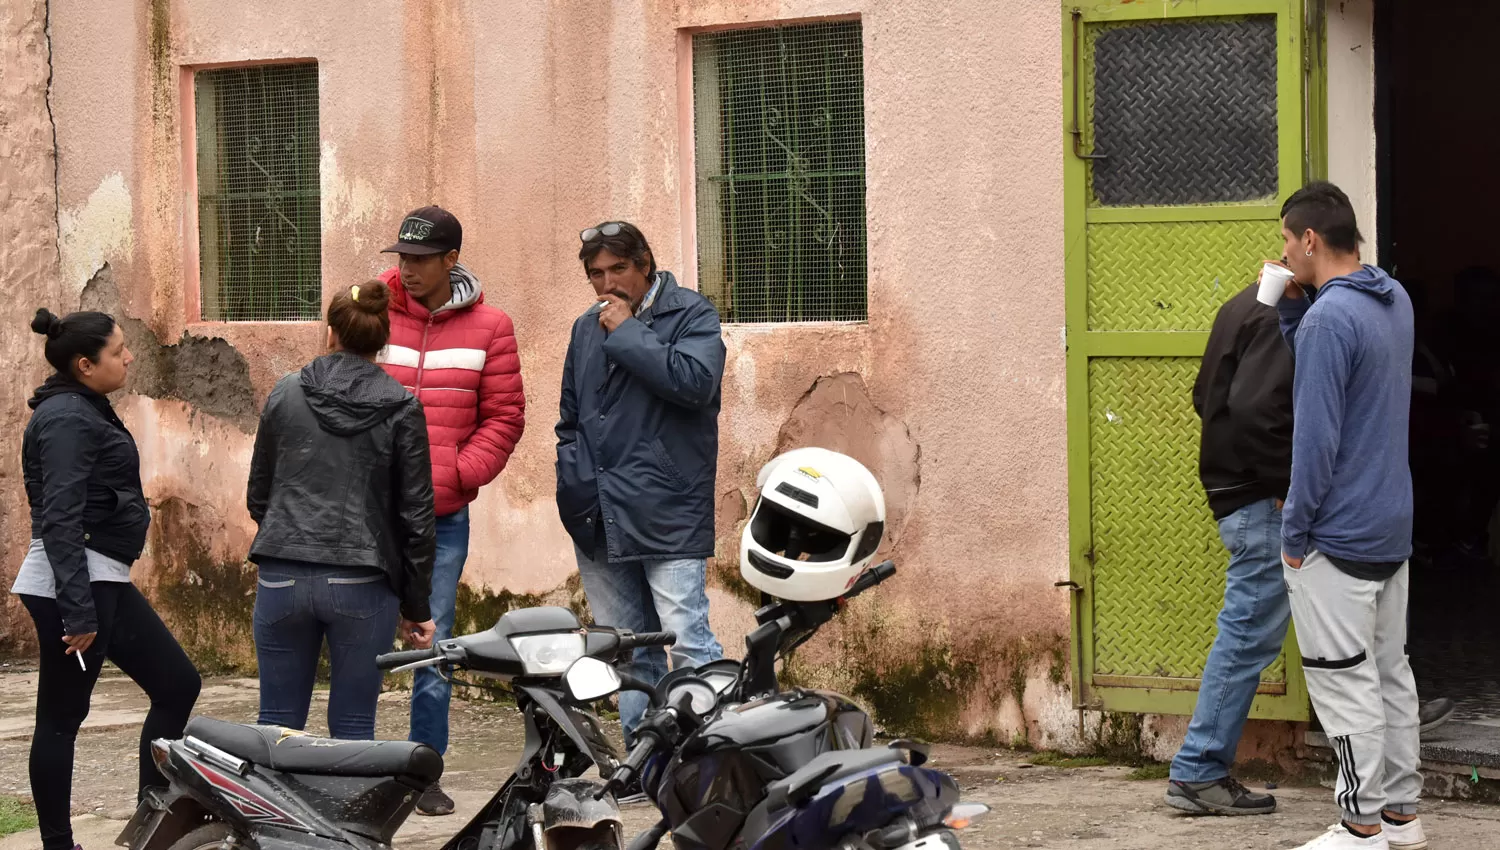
(733, 762)
(275, 789)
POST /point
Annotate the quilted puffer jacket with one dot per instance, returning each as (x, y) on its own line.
(461, 362)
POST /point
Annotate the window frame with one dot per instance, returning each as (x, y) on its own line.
(192, 268)
(688, 159)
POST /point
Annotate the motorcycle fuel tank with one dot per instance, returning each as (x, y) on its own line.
(722, 771)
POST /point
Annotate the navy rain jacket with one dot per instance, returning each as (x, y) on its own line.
(638, 441)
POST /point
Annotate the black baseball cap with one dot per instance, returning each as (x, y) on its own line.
(429, 230)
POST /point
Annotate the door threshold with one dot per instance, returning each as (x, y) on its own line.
(1455, 747)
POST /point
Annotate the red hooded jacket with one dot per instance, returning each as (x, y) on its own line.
(461, 362)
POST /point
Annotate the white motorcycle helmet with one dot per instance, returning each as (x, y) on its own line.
(815, 528)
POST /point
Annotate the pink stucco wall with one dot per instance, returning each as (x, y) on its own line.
(28, 254)
(531, 120)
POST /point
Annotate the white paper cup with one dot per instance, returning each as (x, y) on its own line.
(1273, 280)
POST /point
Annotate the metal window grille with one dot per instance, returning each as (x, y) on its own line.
(1185, 112)
(779, 130)
(259, 220)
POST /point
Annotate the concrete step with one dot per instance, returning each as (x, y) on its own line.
(1460, 761)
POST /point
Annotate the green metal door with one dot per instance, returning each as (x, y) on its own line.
(1185, 132)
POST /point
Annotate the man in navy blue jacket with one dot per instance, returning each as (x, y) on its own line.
(637, 451)
(1346, 526)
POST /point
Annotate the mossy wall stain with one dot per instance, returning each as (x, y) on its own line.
(1118, 737)
(206, 601)
(480, 608)
(725, 572)
(923, 688)
(919, 695)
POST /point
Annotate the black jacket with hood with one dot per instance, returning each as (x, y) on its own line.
(1244, 397)
(341, 476)
(83, 480)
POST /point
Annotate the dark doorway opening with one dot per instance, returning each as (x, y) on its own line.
(1438, 136)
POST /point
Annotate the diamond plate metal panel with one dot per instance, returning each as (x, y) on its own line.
(1184, 111)
(1158, 563)
(1171, 276)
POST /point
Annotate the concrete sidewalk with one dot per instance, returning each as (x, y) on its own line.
(1086, 808)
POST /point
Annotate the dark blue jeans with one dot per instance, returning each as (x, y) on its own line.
(297, 605)
(430, 692)
(1252, 628)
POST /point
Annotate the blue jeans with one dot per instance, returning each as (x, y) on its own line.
(1252, 628)
(297, 605)
(430, 692)
(651, 596)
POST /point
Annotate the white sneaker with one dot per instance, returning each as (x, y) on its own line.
(1407, 836)
(1339, 838)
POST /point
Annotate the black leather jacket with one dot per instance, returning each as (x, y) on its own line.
(83, 480)
(341, 476)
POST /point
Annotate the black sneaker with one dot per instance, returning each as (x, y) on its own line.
(434, 802)
(1222, 797)
(1435, 713)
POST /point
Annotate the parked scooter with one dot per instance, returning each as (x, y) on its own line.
(732, 763)
(275, 789)
(729, 760)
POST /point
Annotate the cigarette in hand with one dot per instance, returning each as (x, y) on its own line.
(82, 665)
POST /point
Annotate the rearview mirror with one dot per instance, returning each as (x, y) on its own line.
(589, 679)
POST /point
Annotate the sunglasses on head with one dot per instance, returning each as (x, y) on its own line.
(611, 228)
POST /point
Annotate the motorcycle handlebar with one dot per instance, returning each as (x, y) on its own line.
(652, 735)
(648, 639)
(392, 660)
(630, 768)
(871, 577)
(638, 755)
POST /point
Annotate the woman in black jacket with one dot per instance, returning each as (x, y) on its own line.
(88, 525)
(341, 487)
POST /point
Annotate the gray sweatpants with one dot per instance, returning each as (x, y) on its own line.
(1352, 635)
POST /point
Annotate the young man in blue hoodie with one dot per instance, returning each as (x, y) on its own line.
(1346, 526)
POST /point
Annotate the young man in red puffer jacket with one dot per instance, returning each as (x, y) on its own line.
(458, 356)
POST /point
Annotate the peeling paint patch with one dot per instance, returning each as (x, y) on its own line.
(207, 373)
(834, 413)
(95, 233)
(837, 413)
(347, 204)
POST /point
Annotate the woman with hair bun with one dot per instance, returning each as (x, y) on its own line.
(341, 487)
(88, 525)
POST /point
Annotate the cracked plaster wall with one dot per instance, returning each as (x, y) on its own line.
(531, 120)
(28, 254)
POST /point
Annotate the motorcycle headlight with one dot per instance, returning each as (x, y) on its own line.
(548, 655)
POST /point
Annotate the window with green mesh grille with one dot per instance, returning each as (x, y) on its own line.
(779, 129)
(259, 223)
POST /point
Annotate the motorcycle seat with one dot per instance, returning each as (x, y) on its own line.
(290, 751)
(828, 767)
